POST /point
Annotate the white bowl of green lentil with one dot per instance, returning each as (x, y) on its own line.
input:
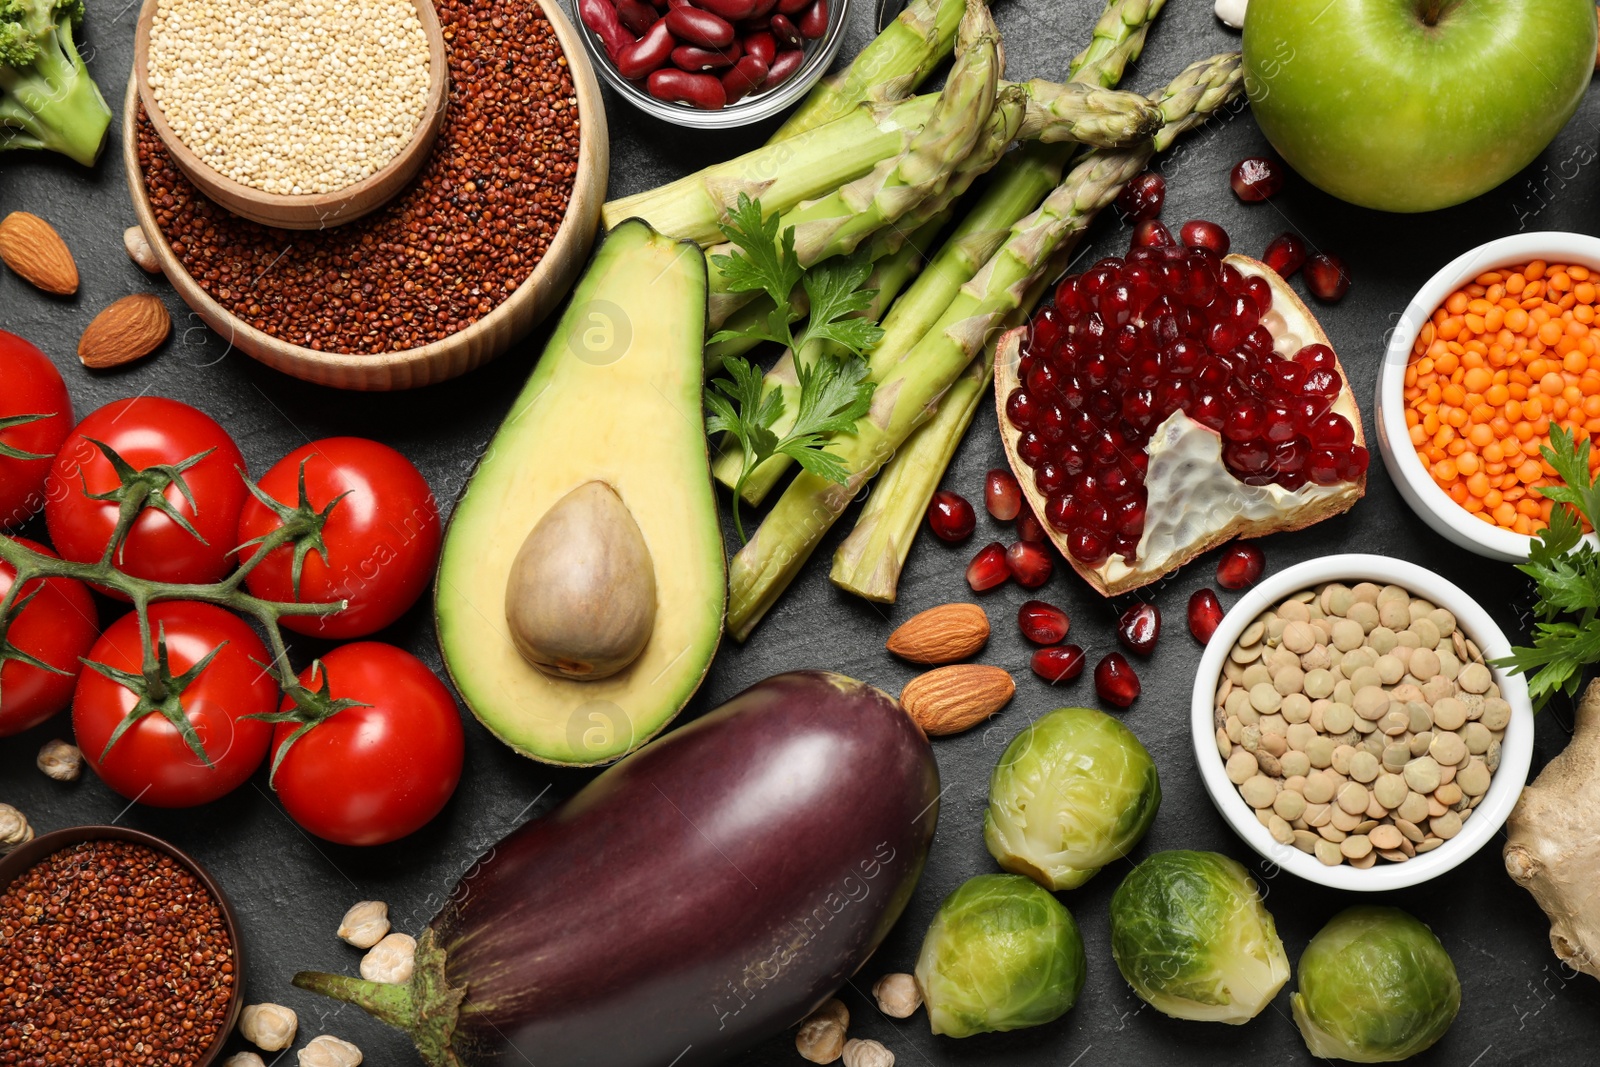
(1411, 476)
(1365, 578)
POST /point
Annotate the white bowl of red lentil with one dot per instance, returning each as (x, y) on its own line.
(1515, 751)
(1466, 512)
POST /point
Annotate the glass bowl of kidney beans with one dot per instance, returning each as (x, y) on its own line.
(712, 64)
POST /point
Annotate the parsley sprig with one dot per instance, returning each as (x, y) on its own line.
(1565, 569)
(834, 391)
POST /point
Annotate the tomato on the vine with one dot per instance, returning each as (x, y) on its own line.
(379, 746)
(57, 624)
(153, 761)
(161, 443)
(365, 528)
(35, 417)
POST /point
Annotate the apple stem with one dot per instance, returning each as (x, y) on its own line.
(1431, 11)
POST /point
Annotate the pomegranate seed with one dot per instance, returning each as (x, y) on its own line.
(1241, 565)
(1198, 233)
(1002, 495)
(1041, 623)
(1205, 615)
(1059, 664)
(1116, 681)
(1030, 564)
(988, 568)
(950, 517)
(1152, 233)
(1142, 198)
(1028, 526)
(1255, 179)
(1286, 254)
(1327, 277)
(1139, 627)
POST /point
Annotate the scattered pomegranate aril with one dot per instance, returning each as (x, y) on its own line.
(988, 568)
(1152, 233)
(1241, 565)
(1327, 277)
(1059, 664)
(1142, 198)
(1198, 234)
(1139, 628)
(1042, 623)
(1205, 615)
(1001, 494)
(950, 517)
(1028, 526)
(1255, 179)
(1116, 681)
(1030, 563)
(1286, 254)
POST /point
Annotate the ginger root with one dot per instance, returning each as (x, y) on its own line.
(1552, 846)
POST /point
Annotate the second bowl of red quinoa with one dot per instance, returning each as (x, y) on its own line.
(484, 243)
(115, 948)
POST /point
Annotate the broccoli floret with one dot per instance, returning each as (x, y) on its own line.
(47, 99)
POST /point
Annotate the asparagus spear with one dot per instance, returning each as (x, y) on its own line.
(1086, 114)
(888, 69)
(905, 397)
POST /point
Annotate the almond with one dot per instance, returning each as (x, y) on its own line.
(951, 699)
(130, 329)
(31, 247)
(948, 633)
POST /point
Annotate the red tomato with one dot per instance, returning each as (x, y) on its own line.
(32, 386)
(149, 431)
(151, 762)
(368, 775)
(57, 626)
(382, 539)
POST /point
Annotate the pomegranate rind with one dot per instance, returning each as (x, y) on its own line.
(1294, 328)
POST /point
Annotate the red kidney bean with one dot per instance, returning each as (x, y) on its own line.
(763, 8)
(693, 26)
(792, 7)
(647, 53)
(601, 18)
(732, 10)
(761, 45)
(785, 31)
(660, 5)
(783, 66)
(745, 77)
(681, 87)
(814, 20)
(691, 58)
(637, 16)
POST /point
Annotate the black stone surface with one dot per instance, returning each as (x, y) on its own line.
(1519, 1005)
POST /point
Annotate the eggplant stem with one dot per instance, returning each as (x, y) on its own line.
(426, 1008)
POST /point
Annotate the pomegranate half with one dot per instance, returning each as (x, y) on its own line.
(1192, 500)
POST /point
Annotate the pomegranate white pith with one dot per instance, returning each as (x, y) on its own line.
(1193, 501)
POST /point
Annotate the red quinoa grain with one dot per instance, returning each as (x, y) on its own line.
(442, 255)
(111, 954)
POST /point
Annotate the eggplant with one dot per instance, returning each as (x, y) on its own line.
(706, 892)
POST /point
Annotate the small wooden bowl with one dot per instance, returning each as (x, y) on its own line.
(317, 210)
(485, 339)
(25, 856)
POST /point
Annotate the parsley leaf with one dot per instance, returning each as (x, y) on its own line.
(764, 261)
(1565, 570)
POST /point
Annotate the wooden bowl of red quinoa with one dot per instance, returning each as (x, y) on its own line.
(224, 1016)
(485, 243)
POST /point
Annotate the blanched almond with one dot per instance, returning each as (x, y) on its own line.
(130, 329)
(948, 633)
(31, 247)
(955, 698)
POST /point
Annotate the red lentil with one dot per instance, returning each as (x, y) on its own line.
(451, 249)
(111, 954)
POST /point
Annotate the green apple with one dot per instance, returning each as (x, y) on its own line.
(1412, 105)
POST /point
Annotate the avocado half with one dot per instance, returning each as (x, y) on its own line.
(615, 398)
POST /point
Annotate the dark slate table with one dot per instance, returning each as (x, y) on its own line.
(1519, 1004)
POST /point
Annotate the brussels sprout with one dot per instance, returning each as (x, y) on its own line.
(1001, 954)
(1375, 986)
(1192, 937)
(1073, 792)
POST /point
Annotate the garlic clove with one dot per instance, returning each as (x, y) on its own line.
(391, 960)
(365, 924)
(329, 1051)
(60, 761)
(270, 1027)
(1232, 12)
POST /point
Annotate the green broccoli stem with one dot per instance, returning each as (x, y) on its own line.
(54, 102)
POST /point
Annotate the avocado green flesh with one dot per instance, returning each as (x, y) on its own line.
(616, 397)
